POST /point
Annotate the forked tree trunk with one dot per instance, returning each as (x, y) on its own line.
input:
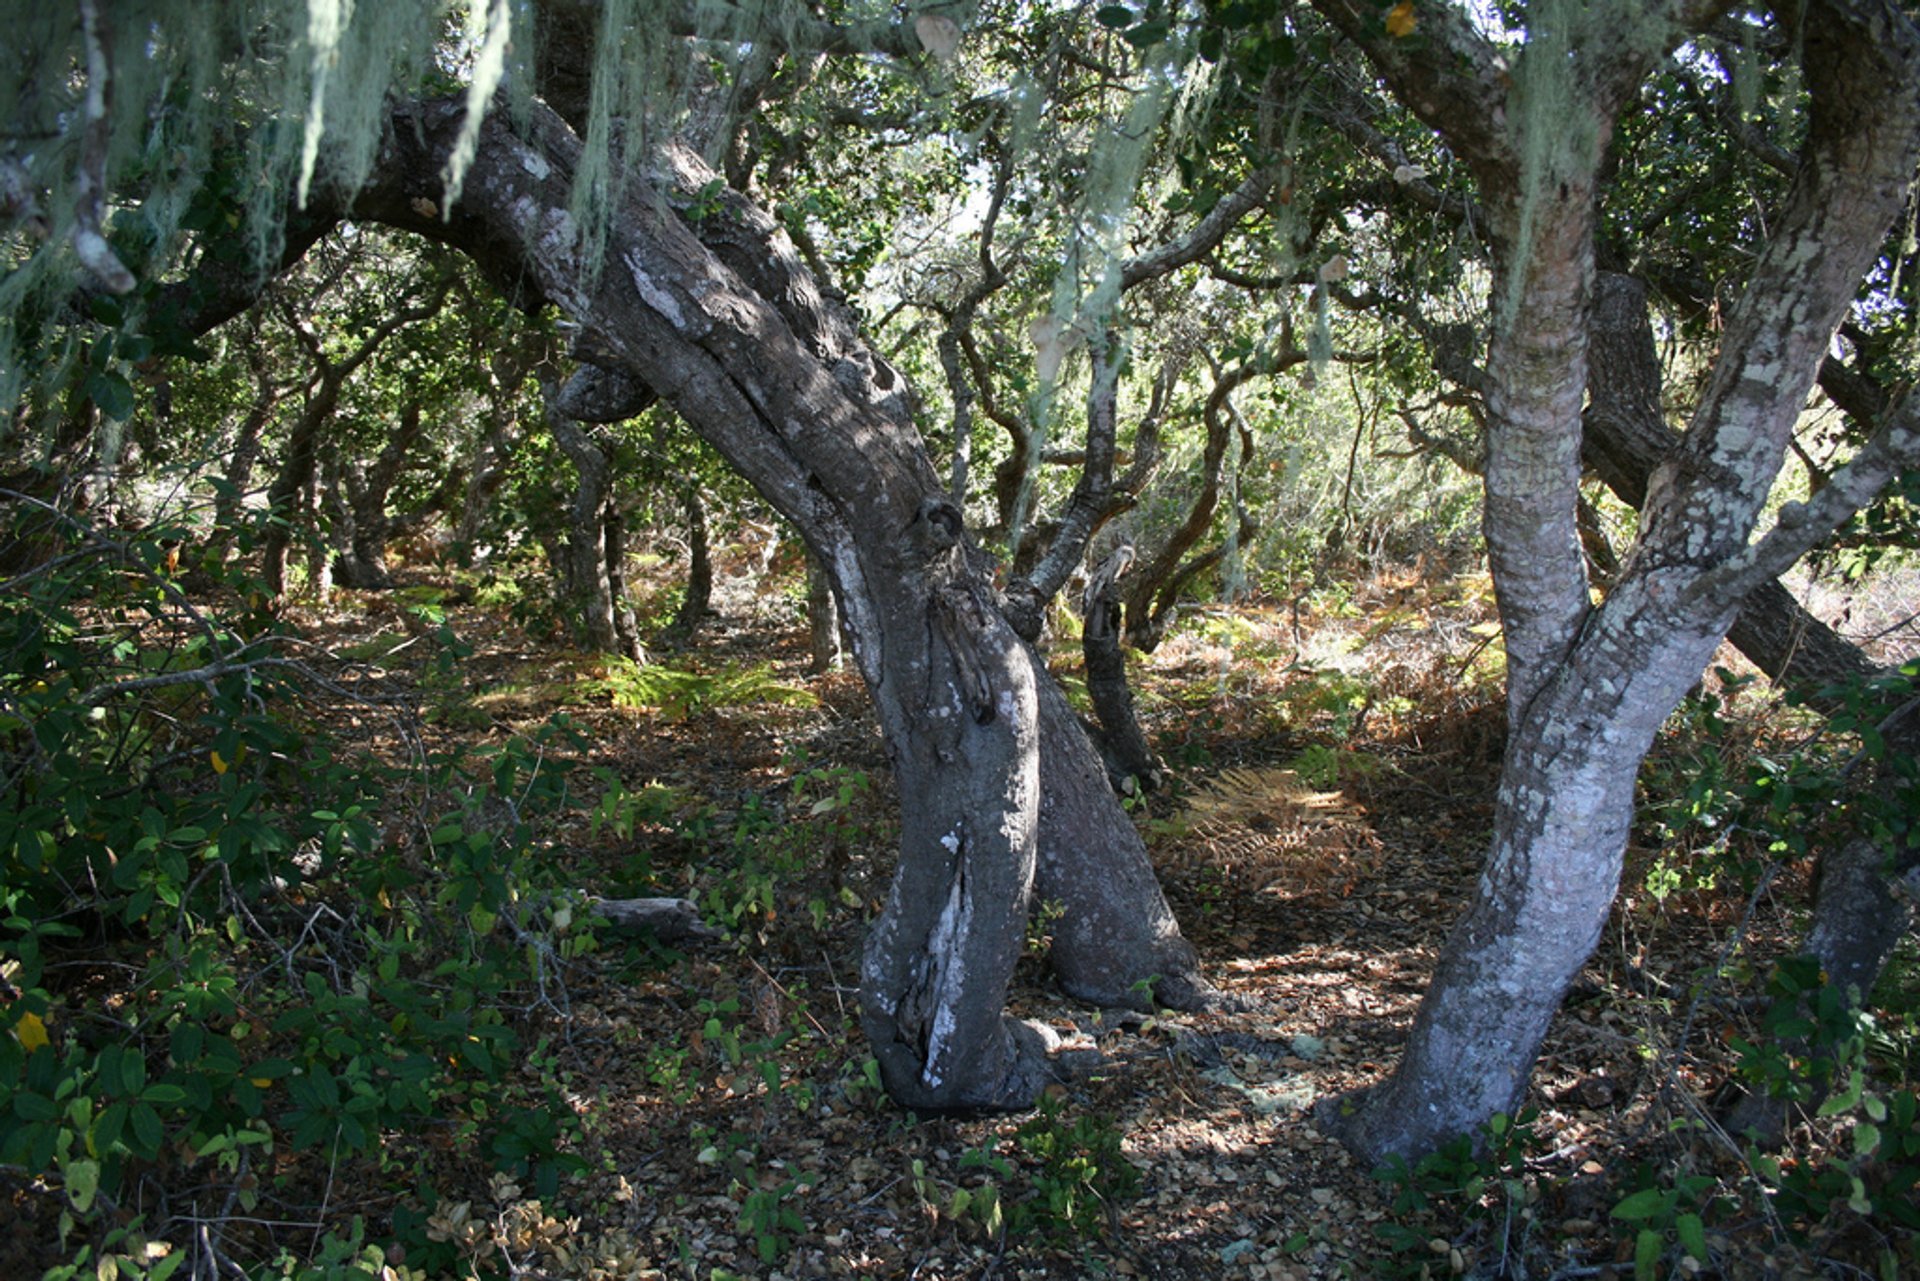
(300, 457)
(1863, 903)
(1588, 688)
(367, 488)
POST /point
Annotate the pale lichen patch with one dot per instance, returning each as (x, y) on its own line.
(653, 293)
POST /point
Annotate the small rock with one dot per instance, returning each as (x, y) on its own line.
(1243, 1246)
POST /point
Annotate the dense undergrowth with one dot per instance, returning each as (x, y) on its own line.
(303, 978)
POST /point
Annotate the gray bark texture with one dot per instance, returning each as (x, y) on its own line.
(823, 621)
(728, 327)
(1589, 686)
(1864, 900)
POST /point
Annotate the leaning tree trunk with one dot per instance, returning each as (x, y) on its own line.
(483, 482)
(302, 452)
(230, 499)
(364, 562)
(1124, 744)
(1863, 903)
(736, 336)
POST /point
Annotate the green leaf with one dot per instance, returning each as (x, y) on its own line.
(1845, 1100)
(1643, 1204)
(83, 1182)
(34, 1107)
(475, 1052)
(112, 393)
(112, 1121)
(1693, 1236)
(147, 1129)
(1866, 1139)
(1647, 1249)
(1115, 17)
(1147, 34)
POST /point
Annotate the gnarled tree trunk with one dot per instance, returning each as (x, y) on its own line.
(1864, 901)
(997, 784)
(364, 562)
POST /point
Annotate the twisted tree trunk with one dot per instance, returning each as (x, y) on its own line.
(363, 564)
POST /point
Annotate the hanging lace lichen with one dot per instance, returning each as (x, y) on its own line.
(1086, 287)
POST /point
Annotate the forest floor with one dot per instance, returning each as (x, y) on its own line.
(1332, 771)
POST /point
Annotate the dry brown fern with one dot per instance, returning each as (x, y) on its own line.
(1283, 836)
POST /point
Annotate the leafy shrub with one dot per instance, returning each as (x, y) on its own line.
(1479, 1182)
(228, 946)
(1063, 1179)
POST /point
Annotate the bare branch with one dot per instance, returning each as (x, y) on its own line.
(1800, 527)
(1205, 235)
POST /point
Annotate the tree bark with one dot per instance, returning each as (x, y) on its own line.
(670, 920)
(823, 621)
(696, 602)
(594, 547)
(301, 455)
(1863, 903)
(1153, 589)
(230, 499)
(1129, 758)
(364, 563)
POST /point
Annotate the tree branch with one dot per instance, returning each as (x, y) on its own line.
(1800, 527)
